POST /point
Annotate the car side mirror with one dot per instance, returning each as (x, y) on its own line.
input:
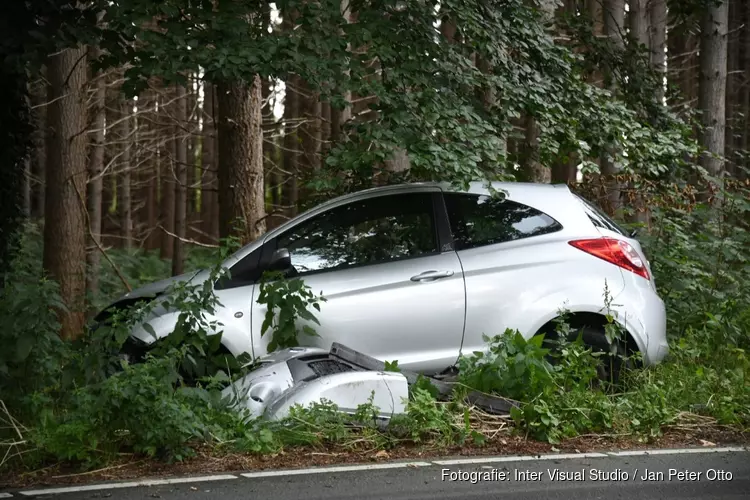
(281, 260)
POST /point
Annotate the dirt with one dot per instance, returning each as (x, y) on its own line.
(208, 461)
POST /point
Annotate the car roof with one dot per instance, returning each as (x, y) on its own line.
(556, 200)
(549, 198)
(513, 190)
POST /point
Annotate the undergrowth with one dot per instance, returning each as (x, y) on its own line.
(80, 403)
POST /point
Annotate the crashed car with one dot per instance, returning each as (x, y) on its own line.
(419, 273)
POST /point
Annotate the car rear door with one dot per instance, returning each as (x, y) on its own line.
(394, 290)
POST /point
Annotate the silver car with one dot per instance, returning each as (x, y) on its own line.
(418, 273)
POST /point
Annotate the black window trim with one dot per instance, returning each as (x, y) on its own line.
(608, 223)
(270, 246)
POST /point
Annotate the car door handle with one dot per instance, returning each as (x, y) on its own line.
(431, 275)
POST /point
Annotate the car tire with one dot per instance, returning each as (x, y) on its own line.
(612, 365)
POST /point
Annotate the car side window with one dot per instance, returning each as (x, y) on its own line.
(245, 272)
(370, 231)
(478, 220)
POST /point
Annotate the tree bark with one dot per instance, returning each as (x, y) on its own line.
(241, 186)
(210, 196)
(289, 193)
(732, 95)
(124, 198)
(658, 40)
(95, 185)
(614, 27)
(149, 133)
(744, 143)
(181, 187)
(339, 117)
(639, 20)
(310, 131)
(712, 91)
(167, 187)
(564, 168)
(38, 167)
(65, 226)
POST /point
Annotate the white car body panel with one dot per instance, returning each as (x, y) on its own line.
(387, 391)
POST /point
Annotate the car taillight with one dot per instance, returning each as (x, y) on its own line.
(617, 252)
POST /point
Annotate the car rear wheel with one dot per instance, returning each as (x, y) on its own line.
(612, 363)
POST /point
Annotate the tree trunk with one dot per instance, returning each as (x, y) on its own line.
(712, 91)
(241, 186)
(658, 40)
(149, 134)
(191, 146)
(639, 21)
(594, 10)
(532, 168)
(614, 27)
(167, 186)
(745, 137)
(65, 225)
(96, 164)
(124, 198)
(339, 117)
(310, 132)
(39, 164)
(564, 169)
(181, 187)
(732, 94)
(209, 197)
(289, 192)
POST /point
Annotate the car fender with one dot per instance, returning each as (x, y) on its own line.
(530, 319)
(234, 335)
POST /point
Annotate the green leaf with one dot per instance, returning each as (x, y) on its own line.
(23, 347)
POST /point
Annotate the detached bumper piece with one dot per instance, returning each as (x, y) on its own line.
(345, 377)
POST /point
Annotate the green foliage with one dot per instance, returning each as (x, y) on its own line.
(287, 302)
(514, 367)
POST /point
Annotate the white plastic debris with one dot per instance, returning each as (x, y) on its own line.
(304, 376)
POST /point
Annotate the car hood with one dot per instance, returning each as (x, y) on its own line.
(157, 287)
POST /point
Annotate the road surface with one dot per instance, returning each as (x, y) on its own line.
(672, 475)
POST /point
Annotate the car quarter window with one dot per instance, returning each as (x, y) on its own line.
(479, 220)
(369, 231)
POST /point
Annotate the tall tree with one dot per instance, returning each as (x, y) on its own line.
(531, 166)
(65, 224)
(96, 179)
(564, 168)
(241, 183)
(289, 193)
(658, 39)
(712, 93)
(614, 28)
(744, 141)
(124, 184)
(733, 94)
(209, 193)
(181, 182)
(167, 180)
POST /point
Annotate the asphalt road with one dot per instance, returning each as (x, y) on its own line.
(690, 475)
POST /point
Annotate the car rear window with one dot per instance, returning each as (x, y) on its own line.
(479, 220)
(599, 218)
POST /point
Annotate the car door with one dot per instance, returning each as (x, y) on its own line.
(391, 290)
